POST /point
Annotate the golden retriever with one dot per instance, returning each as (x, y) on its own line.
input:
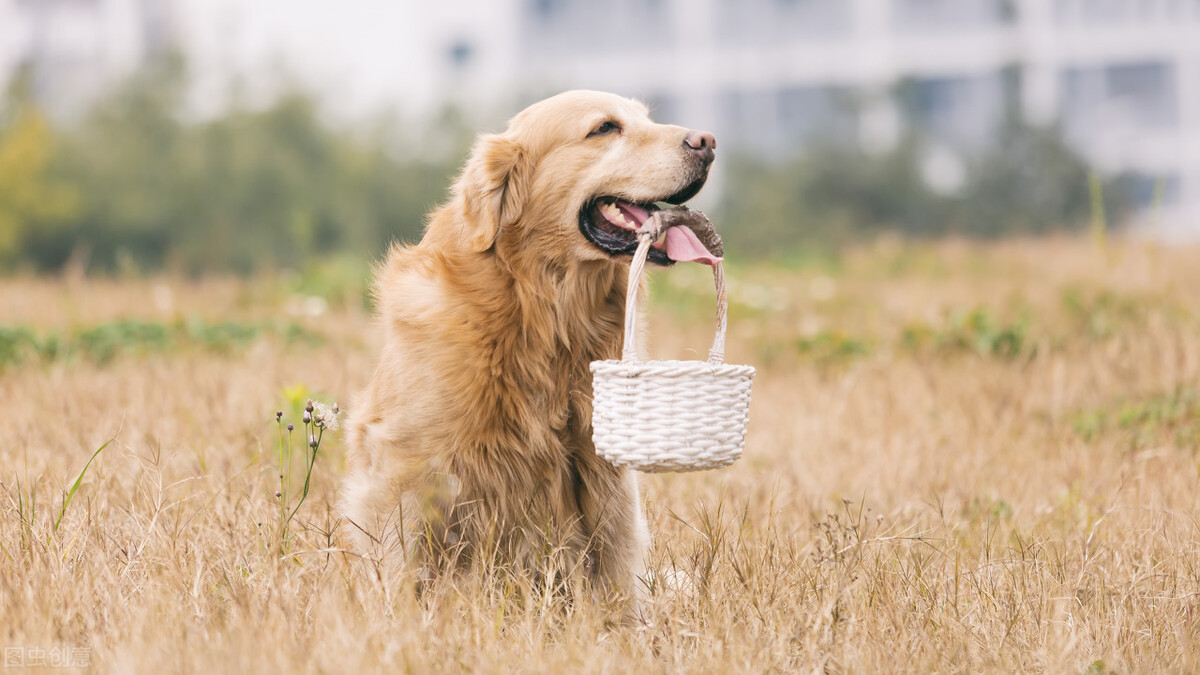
(473, 438)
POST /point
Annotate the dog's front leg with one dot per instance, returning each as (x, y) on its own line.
(618, 537)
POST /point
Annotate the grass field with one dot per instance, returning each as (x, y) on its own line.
(961, 458)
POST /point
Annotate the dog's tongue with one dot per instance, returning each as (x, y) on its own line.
(684, 246)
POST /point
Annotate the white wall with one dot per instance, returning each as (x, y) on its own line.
(77, 48)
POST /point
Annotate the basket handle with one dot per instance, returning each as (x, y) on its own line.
(716, 355)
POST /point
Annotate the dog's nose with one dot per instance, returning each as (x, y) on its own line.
(702, 144)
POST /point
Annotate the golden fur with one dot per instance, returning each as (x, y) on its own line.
(473, 437)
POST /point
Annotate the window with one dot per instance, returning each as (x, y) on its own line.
(575, 26)
(459, 53)
(938, 15)
(782, 21)
(961, 110)
(1137, 96)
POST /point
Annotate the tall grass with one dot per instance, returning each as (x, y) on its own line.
(988, 463)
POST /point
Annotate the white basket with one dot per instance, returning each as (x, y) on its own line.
(657, 416)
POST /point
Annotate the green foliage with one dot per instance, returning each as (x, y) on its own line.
(1100, 313)
(135, 186)
(1098, 667)
(829, 347)
(19, 342)
(987, 510)
(975, 331)
(25, 504)
(248, 190)
(343, 281)
(70, 493)
(316, 419)
(1172, 417)
(1028, 182)
(103, 342)
(31, 201)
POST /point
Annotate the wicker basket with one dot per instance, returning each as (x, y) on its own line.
(658, 416)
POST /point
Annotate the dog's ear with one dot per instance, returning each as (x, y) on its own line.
(492, 189)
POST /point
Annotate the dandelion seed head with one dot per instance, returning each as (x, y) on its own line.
(326, 416)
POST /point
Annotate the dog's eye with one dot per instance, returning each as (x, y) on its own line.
(606, 128)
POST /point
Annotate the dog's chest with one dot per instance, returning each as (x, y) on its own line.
(530, 384)
(561, 393)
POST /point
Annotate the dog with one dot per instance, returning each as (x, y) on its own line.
(473, 438)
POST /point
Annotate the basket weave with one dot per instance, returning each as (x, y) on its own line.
(657, 416)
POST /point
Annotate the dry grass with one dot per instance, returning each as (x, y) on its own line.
(961, 459)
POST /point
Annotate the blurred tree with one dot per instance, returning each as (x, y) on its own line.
(124, 160)
(1029, 182)
(142, 188)
(30, 199)
(249, 189)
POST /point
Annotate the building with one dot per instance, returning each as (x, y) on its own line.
(1120, 77)
(72, 50)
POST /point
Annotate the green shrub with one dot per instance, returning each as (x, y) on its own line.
(1028, 183)
(104, 342)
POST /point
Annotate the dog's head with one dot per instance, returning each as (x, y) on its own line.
(575, 175)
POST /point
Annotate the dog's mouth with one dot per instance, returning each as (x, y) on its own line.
(611, 223)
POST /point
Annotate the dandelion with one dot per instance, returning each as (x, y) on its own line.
(307, 417)
(312, 441)
(326, 416)
(291, 427)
